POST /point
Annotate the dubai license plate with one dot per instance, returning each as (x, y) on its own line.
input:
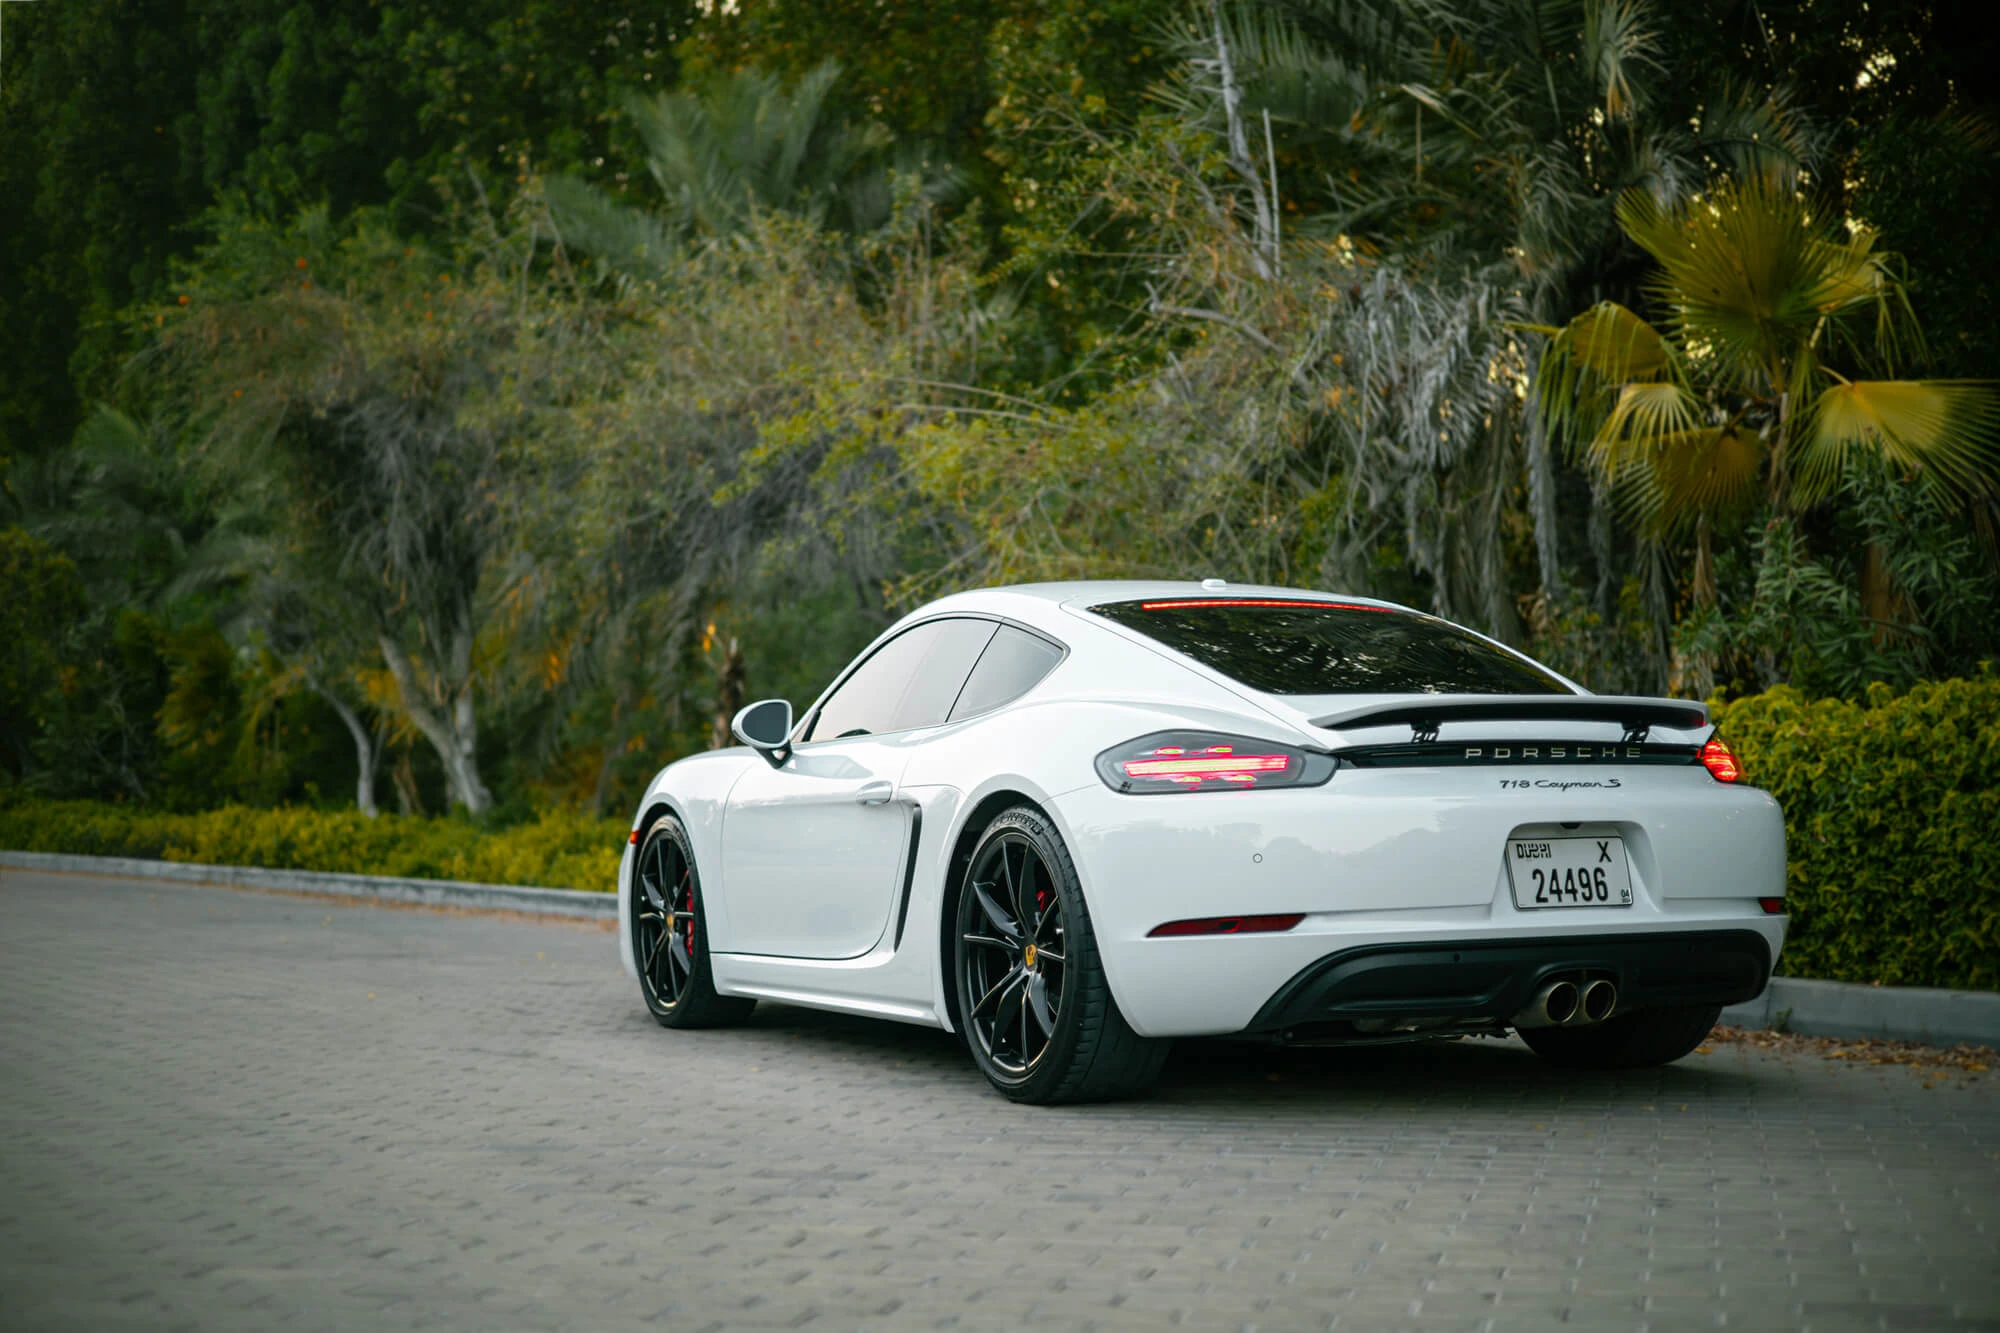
(1569, 872)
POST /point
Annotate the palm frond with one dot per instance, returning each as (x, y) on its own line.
(1946, 431)
(1618, 49)
(627, 238)
(1717, 471)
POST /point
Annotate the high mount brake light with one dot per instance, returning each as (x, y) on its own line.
(1228, 925)
(1720, 761)
(1171, 761)
(1192, 602)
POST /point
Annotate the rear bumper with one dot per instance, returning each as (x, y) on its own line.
(1467, 982)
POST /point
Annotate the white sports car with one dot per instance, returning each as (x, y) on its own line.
(1072, 821)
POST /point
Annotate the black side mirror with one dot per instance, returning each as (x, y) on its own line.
(766, 727)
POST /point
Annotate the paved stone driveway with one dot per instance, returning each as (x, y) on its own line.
(222, 1109)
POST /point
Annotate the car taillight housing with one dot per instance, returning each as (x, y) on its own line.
(1720, 761)
(1184, 761)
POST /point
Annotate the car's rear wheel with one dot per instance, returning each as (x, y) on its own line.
(1630, 1041)
(1033, 1001)
(670, 936)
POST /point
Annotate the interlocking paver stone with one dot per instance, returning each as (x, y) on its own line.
(232, 1110)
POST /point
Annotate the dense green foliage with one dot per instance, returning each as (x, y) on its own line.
(557, 850)
(1890, 805)
(470, 406)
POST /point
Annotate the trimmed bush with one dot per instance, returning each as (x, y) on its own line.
(559, 850)
(1892, 806)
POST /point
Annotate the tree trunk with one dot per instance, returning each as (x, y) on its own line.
(1264, 252)
(1542, 496)
(409, 799)
(444, 714)
(729, 689)
(366, 756)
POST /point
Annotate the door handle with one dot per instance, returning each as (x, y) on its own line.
(875, 793)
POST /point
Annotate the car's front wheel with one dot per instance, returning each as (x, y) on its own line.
(1630, 1041)
(670, 935)
(1033, 1001)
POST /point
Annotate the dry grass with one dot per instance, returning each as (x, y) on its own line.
(1933, 1062)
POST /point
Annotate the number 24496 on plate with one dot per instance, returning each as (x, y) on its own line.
(1569, 872)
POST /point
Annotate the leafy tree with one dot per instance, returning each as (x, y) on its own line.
(41, 602)
(125, 119)
(367, 378)
(743, 144)
(1737, 399)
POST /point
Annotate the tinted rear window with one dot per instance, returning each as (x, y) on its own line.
(1304, 647)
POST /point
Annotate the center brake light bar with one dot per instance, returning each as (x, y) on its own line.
(1193, 602)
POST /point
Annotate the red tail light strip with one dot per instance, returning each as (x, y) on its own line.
(1228, 925)
(1206, 764)
(1720, 762)
(1772, 906)
(1193, 602)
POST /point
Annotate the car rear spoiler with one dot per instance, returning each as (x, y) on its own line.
(1424, 716)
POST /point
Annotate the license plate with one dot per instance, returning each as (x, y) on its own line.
(1569, 872)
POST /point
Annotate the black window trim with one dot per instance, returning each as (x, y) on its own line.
(811, 719)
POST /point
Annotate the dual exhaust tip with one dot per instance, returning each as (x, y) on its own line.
(1563, 1003)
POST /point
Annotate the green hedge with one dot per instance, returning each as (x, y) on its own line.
(1893, 810)
(559, 850)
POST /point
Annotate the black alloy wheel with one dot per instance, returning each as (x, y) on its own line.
(1033, 1002)
(1014, 962)
(669, 940)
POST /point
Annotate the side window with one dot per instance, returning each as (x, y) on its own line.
(909, 682)
(1011, 666)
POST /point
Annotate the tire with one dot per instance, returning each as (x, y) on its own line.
(1034, 1006)
(1630, 1041)
(670, 935)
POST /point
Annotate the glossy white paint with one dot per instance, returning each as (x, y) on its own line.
(804, 886)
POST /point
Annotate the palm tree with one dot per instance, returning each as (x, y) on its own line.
(1479, 147)
(743, 145)
(1774, 367)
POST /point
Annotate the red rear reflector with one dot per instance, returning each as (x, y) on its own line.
(1773, 906)
(1720, 762)
(1228, 925)
(634, 839)
(1193, 602)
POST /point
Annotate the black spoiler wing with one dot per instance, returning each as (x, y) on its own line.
(1634, 713)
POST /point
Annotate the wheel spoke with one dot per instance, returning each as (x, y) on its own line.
(660, 870)
(991, 1001)
(1029, 912)
(1038, 1005)
(1044, 954)
(1007, 1013)
(991, 942)
(680, 952)
(994, 912)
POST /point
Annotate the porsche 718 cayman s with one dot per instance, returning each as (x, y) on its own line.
(1071, 822)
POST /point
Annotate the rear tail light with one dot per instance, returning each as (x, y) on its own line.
(1176, 761)
(1228, 925)
(1720, 761)
(1772, 906)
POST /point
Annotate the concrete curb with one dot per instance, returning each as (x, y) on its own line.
(1899, 1013)
(430, 892)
